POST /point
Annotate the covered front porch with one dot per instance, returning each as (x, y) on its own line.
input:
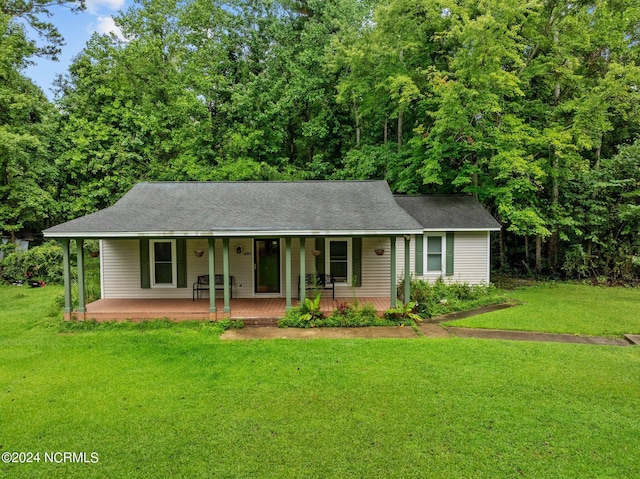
(135, 306)
(253, 311)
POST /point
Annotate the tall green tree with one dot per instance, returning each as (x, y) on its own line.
(128, 114)
(27, 179)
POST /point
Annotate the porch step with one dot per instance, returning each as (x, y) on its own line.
(257, 322)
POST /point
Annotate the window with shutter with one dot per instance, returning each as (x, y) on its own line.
(162, 259)
(338, 259)
(434, 253)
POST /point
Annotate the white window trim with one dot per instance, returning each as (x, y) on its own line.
(174, 264)
(327, 259)
(425, 260)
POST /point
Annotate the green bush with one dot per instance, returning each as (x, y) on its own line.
(403, 312)
(43, 263)
(438, 297)
(345, 315)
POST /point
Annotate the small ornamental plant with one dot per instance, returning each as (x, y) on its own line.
(403, 311)
(311, 309)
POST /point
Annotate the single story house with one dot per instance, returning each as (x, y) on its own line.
(258, 239)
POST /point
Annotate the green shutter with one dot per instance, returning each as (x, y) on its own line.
(419, 255)
(356, 261)
(145, 271)
(320, 245)
(449, 266)
(181, 262)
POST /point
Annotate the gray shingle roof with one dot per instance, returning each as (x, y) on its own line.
(452, 212)
(246, 208)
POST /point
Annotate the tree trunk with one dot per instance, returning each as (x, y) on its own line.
(554, 242)
(538, 254)
(526, 248)
(503, 256)
(399, 130)
(356, 114)
(555, 200)
(474, 180)
(386, 129)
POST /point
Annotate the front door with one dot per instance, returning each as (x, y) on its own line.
(267, 265)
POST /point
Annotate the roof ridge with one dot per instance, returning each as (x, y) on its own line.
(255, 181)
(439, 195)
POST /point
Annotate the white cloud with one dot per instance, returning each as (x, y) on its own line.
(106, 25)
(93, 6)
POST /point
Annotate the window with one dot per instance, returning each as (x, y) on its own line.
(163, 263)
(338, 260)
(434, 253)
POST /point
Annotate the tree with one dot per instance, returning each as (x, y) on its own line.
(26, 175)
(31, 12)
(128, 114)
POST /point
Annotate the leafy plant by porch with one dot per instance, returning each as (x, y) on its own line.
(310, 310)
(403, 312)
(345, 314)
(437, 297)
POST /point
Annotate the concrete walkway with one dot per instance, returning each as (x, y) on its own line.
(534, 336)
(429, 330)
(272, 332)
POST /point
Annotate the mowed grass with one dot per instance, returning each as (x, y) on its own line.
(160, 400)
(566, 308)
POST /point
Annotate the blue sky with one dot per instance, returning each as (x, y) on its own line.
(76, 30)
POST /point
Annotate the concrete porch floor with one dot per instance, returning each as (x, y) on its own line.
(251, 310)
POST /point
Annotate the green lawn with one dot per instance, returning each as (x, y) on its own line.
(162, 400)
(566, 308)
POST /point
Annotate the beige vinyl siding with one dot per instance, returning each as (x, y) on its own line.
(470, 259)
(375, 269)
(120, 263)
(121, 266)
(120, 270)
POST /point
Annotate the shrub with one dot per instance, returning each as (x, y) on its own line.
(342, 309)
(345, 315)
(403, 312)
(42, 263)
(439, 297)
(292, 319)
(230, 324)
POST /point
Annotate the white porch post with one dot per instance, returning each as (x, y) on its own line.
(287, 271)
(212, 276)
(407, 269)
(303, 273)
(394, 286)
(225, 270)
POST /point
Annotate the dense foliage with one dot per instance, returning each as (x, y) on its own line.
(533, 107)
(345, 315)
(438, 297)
(42, 263)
